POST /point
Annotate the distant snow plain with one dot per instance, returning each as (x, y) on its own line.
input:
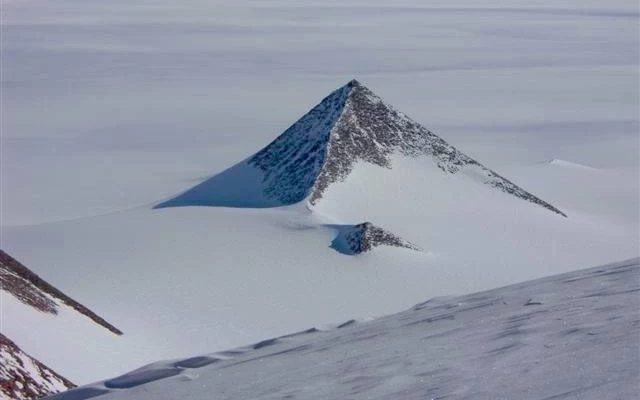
(110, 108)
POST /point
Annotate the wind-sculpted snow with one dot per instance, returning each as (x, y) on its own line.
(567, 336)
(349, 126)
(361, 238)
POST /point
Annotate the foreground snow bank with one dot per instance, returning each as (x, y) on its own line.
(565, 336)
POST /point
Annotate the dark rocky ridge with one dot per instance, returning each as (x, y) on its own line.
(21, 381)
(34, 291)
(361, 238)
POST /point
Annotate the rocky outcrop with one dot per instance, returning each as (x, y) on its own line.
(23, 377)
(361, 238)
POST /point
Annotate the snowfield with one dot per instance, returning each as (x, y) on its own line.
(567, 336)
(110, 109)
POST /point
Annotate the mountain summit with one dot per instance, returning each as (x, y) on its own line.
(350, 126)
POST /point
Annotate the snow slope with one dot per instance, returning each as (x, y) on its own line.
(574, 335)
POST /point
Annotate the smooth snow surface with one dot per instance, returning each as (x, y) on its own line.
(110, 108)
(567, 336)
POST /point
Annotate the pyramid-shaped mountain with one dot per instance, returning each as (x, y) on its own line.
(349, 126)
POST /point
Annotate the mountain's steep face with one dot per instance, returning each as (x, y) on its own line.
(292, 162)
(361, 238)
(350, 126)
(22, 377)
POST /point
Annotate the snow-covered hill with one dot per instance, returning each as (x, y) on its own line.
(574, 335)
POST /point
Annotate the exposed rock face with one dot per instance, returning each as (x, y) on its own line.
(364, 237)
(292, 162)
(32, 290)
(22, 377)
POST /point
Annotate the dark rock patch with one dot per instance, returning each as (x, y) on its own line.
(361, 238)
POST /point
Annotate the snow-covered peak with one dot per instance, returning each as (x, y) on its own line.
(351, 125)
